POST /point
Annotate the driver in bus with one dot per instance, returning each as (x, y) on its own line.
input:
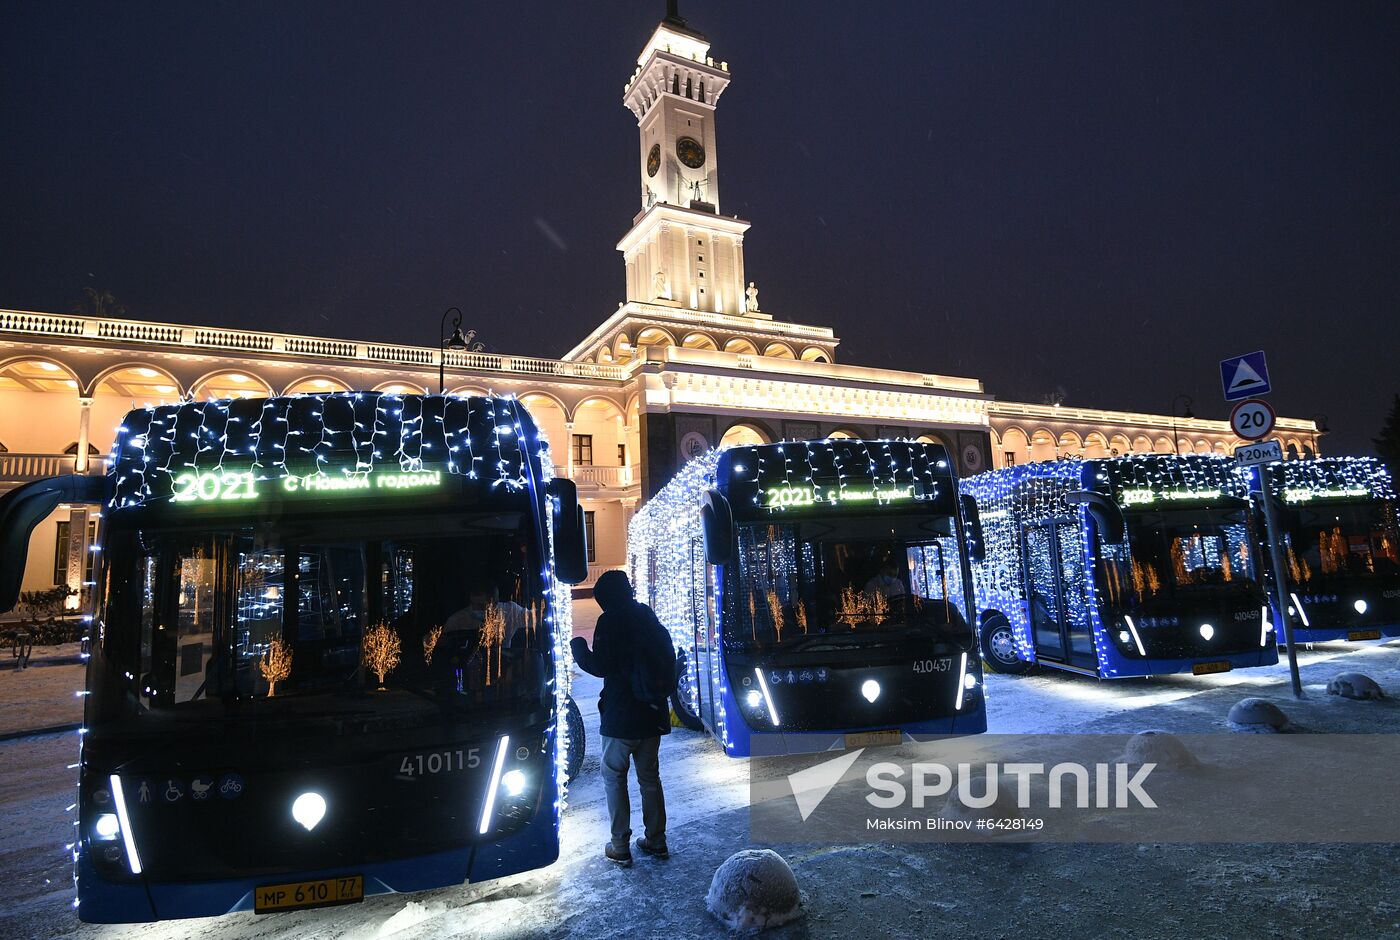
(887, 581)
(472, 618)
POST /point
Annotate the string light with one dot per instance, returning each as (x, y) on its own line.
(345, 435)
(1010, 498)
(666, 553)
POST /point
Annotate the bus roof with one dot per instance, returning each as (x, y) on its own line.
(1301, 481)
(337, 440)
(1143, 478)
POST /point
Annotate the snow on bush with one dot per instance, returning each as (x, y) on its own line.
(753, 890)
(1355, 685)
(1162, 748)
(1259, 716)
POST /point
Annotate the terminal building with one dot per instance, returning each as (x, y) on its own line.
(689, 361)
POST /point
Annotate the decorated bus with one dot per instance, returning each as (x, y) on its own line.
(1124, 566)
(1340, 545)
(818, 594)
(328, 656)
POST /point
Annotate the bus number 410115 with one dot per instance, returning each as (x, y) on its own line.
(440, 762)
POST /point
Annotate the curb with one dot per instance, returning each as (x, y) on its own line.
(74, 660)
(35, 732)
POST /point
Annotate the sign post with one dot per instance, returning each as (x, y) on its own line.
(1262, 455)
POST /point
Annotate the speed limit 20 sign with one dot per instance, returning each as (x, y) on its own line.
(1252, 419)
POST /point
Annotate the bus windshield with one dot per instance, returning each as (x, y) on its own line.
(372, 622)
(1327, 542)
(1177, 553)
(843, 582)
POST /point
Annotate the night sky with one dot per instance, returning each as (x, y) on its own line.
(1097, 200)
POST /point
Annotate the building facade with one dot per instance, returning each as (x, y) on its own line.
(688, 362)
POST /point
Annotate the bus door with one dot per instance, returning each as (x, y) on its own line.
(1054, 567)
(701, 606)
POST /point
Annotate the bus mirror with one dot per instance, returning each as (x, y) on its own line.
(972, 520)
(570, 533)
(24, 508)
(717, 523)
(1105, 511)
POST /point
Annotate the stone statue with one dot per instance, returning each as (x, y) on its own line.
(752, 296)
(658, 285)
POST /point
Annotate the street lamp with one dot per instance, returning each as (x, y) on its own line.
(456, 342)
(1184, 414)
(1319, 427)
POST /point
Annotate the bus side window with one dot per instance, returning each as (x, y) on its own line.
(194, 622)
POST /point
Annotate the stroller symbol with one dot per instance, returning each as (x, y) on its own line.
(200, 787)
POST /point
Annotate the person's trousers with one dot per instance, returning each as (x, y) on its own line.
(646, 752)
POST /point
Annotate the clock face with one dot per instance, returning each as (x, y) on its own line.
(654, 160)
(690, 152)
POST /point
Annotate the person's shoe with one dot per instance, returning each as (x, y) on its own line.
(621, 857)
(654, 849)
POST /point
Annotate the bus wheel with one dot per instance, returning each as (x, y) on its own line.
(680, 703)
(999, 647)
(578, 743)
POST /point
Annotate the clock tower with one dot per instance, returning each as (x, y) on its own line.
(681, 252)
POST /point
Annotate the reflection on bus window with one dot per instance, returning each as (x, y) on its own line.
(193, 621)
(1176, 551)
(791, 586)
(1355, 539)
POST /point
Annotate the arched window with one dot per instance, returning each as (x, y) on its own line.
(743, 434)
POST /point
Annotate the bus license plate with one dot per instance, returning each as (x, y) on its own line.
(873, 738)
(1205, 669)
(1364, 635)
(323, 892)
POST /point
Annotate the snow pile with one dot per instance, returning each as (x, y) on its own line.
(412, 915)
(1003, 806)
(1355, 685)
(753, 890)
(1162, 748)
(1258, 715)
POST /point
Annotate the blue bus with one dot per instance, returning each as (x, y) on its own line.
(1340, 546)
(818, 594)
(1123, 566)
(328, 653)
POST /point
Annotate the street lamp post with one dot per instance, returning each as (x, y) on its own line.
(1176, 444)
(457, 342)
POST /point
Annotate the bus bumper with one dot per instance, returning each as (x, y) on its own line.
(815, 742)
(1129, 668)
(105, 902)
(1332, 634)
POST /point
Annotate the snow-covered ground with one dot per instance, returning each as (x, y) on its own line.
(872, 890)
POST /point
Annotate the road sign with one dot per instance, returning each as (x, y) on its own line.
(1244, 376)
(1252, 420)
(1250, 455)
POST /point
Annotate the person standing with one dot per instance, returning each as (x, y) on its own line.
(632, 653)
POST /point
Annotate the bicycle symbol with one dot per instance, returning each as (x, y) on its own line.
(230, 786)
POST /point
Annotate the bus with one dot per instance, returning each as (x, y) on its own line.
(328, 654)
(1339, 544)
(1124, 566)
(818, 595)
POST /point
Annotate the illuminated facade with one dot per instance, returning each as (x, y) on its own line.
(689, 361)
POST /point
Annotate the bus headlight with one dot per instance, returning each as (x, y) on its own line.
(870, 689)
(514, 782)
(754, 698)
(1360, 606)
(309, 809)
(106, 828)
(1207, 631)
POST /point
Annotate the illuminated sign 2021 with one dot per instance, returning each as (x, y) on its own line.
(788, 497)
(222, 487)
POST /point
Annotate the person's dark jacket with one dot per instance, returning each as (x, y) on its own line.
(614, 640)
